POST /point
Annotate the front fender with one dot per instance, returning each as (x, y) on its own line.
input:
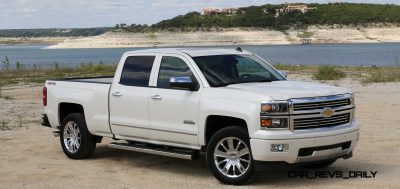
(245, 110)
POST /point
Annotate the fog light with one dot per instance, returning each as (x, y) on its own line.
(279, 147)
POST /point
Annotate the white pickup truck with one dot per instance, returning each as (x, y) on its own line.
(230, 104)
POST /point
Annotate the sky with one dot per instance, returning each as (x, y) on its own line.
(17, 14)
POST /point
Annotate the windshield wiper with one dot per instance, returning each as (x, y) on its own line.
(232, 83)
(226, 84)
(264, 80)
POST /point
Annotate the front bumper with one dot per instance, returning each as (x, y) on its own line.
(306, 149)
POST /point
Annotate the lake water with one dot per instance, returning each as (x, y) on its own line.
(379, 54)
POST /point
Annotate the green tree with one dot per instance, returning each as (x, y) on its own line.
(264, 16)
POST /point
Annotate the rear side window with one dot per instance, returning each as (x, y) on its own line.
(136, 71)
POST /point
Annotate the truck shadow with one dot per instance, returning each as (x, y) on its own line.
(197, 167)
(276, 176)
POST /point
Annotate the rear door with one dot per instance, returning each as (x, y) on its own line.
(129, 98)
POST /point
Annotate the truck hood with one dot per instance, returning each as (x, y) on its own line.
(283, 90)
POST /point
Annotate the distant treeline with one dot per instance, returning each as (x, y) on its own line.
(54, 32)
(265, 16)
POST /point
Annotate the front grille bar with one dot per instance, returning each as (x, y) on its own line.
(297, 124)
(321, 121)
(320, 105)
(306, 113)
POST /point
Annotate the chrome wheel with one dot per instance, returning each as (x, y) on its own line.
(72, 137)
(232, 157)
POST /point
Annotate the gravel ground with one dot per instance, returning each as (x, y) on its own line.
(31, 157)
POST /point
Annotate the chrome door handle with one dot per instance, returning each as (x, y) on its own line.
(156, 97)
(117, 93)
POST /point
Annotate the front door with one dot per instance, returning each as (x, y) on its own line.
(174, 112)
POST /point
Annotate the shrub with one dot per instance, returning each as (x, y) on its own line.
(328, 72)
(4, 125)
(6, 64)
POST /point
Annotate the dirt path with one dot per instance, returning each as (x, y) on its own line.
(31, 157)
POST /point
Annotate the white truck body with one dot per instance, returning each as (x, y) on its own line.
(179, 118)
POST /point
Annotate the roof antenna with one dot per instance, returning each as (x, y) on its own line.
(239, 49)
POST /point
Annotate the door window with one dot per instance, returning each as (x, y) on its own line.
(136, 71)
(172, 67)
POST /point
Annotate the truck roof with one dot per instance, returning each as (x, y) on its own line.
(193, 52)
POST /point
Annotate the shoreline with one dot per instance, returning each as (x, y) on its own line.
(52, 45)
(227, 37)
(31, 40)
(237, 36)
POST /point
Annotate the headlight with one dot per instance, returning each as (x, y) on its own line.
(353, 102)
(273, 115)
(274, 123)
(274, 107)
(353, 112)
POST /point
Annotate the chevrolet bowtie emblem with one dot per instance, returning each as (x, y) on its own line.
(328, 112)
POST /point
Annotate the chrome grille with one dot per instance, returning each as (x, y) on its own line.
(320, 121)
(320, 105)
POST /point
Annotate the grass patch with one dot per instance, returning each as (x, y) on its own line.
(365, 75)
(1, 95)
(304, 34)
(323, 72)
(291, 67)
(328, 72)
(296, 69)
(4, 125)
(20, 122)
(39, 75)
(8, 97)
(377, 75)
(7, 126)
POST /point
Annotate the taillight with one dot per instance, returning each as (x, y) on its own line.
(44, 96)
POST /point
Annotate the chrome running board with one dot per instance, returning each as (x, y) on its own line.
(156, 150)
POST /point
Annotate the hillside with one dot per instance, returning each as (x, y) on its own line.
(254, 25)
(265, 16)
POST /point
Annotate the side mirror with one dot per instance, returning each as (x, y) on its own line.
(183, 83)
(283, 73)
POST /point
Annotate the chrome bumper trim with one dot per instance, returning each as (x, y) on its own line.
(323, 155)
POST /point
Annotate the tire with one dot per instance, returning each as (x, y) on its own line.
(74, 128)
(319, 165)
(224, 160)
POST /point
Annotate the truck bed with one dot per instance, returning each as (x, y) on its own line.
(91, 93)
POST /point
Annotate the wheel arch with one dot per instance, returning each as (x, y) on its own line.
(214, 123)
(66, 108)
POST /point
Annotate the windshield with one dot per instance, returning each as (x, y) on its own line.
(223, 70)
